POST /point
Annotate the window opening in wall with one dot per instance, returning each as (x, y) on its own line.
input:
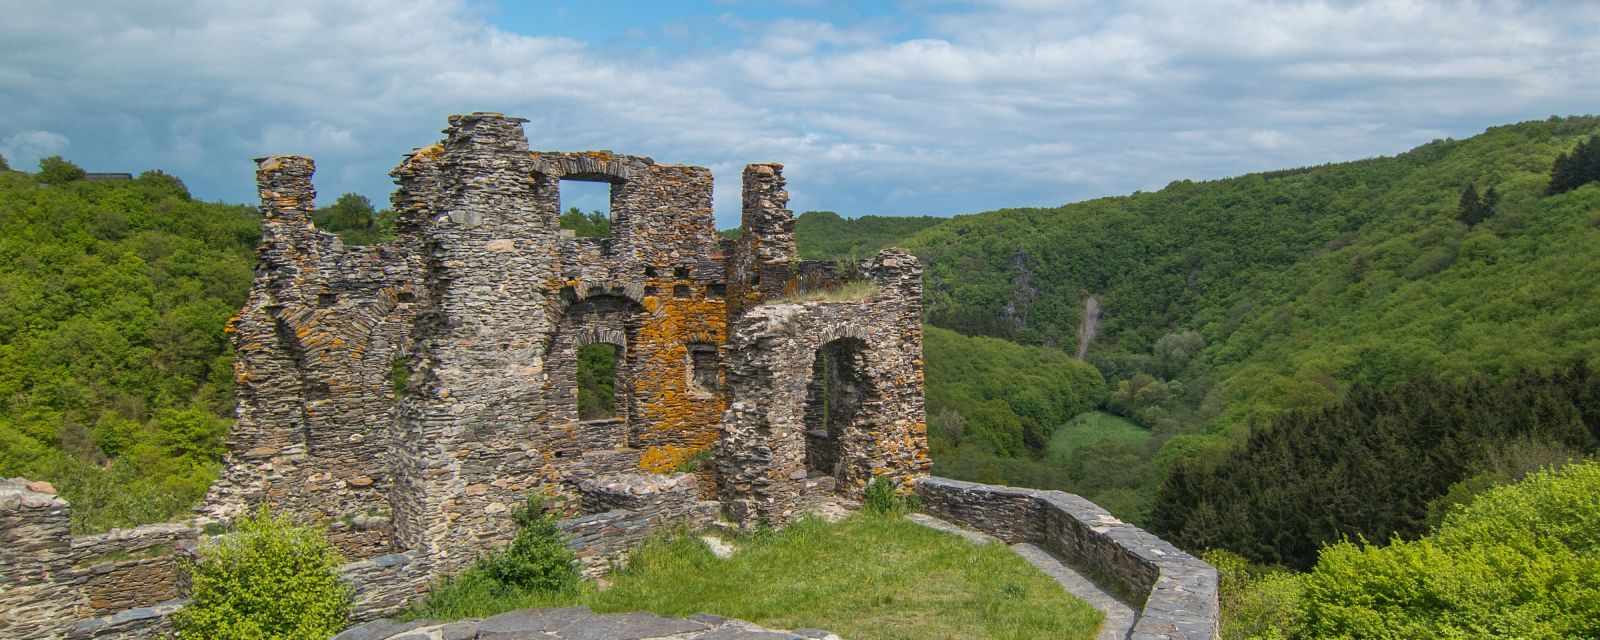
(649, 272)
(680, 272)
(681, 291)
(833, 400)
(586, 208)
(716, 291)
(597, 381)
(703, 367)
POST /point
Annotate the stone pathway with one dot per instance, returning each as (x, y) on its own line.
(1119, 617)
(577, 623)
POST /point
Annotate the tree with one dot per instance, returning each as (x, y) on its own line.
(1473, 209)
(1576, 169)
(56, 170)
(4, 166)
(352, 211)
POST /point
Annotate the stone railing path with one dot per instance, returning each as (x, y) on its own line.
(1173, 593)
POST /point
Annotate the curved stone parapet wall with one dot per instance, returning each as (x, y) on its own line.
(1175, 593)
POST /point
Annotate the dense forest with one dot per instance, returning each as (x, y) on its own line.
(115, 375)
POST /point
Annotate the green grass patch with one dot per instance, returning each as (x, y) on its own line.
(866, 578)
(1095, 428)
(851, 291)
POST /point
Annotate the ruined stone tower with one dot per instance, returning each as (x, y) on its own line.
(480, 306)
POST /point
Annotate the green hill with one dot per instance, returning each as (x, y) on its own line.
(825, 235)
(1231, 301)
(116, 381)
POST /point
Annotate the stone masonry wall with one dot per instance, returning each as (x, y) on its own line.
(50, 578)
(762, 456)
(1176, 592)
(316, 343)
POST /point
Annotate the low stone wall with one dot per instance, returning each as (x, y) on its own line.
(1176, 591)
(635, 506)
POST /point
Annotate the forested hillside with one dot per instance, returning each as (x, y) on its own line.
(115, 375)
(1227, 303)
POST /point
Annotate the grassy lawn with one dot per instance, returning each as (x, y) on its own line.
(868, 577)
(1092, 428)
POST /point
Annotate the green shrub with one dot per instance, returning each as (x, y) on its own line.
(57, 170)
(882, 497)
(1520, 561)
(535, 570)
(269, 580)
(538, 558)
(1258, 601)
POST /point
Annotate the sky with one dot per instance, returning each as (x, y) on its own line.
(912, 107)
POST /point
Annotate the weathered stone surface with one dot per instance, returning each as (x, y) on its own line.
(579, 623)
(1174, 592)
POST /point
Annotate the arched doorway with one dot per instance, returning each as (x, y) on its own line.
(833, 409)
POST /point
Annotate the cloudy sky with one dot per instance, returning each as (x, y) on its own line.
(911, 107)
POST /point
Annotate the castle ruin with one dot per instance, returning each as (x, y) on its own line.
(410, 395)
(481, 305)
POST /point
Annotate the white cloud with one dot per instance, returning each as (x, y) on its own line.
(1011, 102)
(24, 149)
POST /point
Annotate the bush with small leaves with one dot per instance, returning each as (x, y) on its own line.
(57, 170)
(538, 558)
(270, 579)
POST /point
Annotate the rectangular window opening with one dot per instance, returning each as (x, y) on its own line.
(586, 208)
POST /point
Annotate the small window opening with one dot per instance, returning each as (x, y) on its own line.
(586, 208)
(650, 291)
(650, 272)
(703, 367)
(680, 272)
(597, 381)
(406, 296)
(716, 291)
(326, 300)
(681, 291)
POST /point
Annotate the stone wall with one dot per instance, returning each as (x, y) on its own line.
(762, 457)
(1175, 592)
(50, 578)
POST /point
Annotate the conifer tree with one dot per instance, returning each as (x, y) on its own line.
(1470, 207)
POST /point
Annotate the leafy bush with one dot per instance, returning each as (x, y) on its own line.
(535, 570)
(538, 558)
(56, 170)
(1521, 561)
(268, 580)
(883, 498)
(1258, 602)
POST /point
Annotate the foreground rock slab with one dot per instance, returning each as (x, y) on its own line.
(577, 623)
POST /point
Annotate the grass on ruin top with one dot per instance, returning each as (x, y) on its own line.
(866, 578)
(852, 291)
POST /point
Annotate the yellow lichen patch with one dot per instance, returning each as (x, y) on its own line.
(429, 152)
(678, 421)
(664, 458)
